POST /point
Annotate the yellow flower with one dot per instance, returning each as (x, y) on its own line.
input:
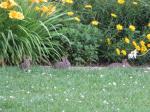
(134, 43)
(108, 41)
(8, 4)
(148, 36)
(44, 9)
(35, 1)
(148, 24)
(68, 1)
(77, 19)
(132, 28)
(148, 45)
(12, 3)
(48, 9)
(94, 22)
(134, 3)
(121, 2)
(16, 15)
(124, 52)
(51, 9)
(142, 43)
(38, 1)
(143, 49)
(137, 48)
(4, 5)
(113, 15)
(37, 8)
(43, 0)
(119, 27)
(118, 51)
(88, 6)
(70, 13)
(127, 40)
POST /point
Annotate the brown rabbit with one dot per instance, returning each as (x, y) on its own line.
(25, 65)
(62, 64)
(123, 64)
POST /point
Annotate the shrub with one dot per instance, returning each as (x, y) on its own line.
(119, 22)
(84, 43)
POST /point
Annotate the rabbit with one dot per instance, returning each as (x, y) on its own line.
(25, 65)
(62, 64)
(123, 64)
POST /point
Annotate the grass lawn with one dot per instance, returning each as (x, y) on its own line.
(75, 90)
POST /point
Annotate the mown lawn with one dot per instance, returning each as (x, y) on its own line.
(75, 90)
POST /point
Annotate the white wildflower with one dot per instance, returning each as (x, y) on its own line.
(52, 99)
(136, 82)
(101, 76)
(118, 109)
(133, 54)
(55, 87)
(43, 73)
(131, 77)
(28, 92)
(148, 68)
(103, 90)
(29, 71)
(82, 96)
(105, 102)
(109, 83)
(67, 99)
(11, 97)
(114, 83)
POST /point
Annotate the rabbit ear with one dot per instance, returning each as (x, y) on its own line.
(124, 61)
(30, 58)
(64, 58)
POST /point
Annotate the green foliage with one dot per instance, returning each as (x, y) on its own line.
(137, 14)
(84, 43)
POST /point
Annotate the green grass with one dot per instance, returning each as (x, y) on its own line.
(75, 90)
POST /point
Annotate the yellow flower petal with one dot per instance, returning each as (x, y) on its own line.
(119, 27)
(16, 15)
(121, 2)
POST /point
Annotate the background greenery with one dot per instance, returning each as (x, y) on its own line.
(48, 38)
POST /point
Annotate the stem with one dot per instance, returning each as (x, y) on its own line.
(144, 53)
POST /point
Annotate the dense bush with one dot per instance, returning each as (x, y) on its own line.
(29, 28)
(125, 25)
(84, 46)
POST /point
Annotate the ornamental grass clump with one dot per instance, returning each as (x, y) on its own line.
(29, 28)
